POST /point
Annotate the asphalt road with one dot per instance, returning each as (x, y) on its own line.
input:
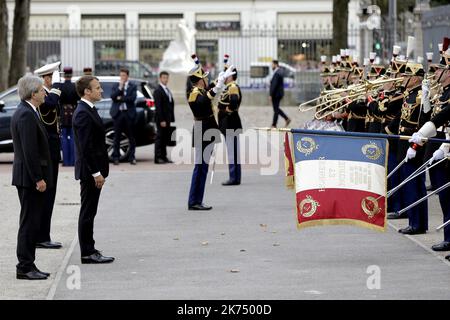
(247, 247)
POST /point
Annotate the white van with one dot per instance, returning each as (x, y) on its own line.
(261, 73)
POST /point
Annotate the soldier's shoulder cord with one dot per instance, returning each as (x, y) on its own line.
(194, 93)
(233, 89)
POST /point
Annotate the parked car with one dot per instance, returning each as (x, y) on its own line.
(137, 69)
(145, 129)
(261, 73)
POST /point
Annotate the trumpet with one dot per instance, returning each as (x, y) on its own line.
(319, 115)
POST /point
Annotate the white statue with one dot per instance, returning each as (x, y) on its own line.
(177, 57)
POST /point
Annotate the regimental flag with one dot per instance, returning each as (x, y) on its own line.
(340, 180)
(288, 161)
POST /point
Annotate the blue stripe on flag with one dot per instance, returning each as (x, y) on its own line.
(315, 147)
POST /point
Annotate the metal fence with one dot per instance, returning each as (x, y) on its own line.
(251, 50)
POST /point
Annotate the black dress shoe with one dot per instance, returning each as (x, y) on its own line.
(116, 162)
(96, 257)
(133, 162)
(166, 160)
(396, 215)
(230, 183)
(200, 207)
(443, 246)
(409, 230)
(44, 273)
(447, 257)
(159, 161)
(31, 275)
(49, 245)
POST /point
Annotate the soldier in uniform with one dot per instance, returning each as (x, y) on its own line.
(200, 102)
(375, 119)
(230, 125)
(68, 100)
(430, 129)
(49, 113)
(357, 108)
(409, 121)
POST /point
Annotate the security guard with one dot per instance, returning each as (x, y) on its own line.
(49, 113)
(68, 101)
(429, 129)
(230, 125)
(410, 120)
(200, 102)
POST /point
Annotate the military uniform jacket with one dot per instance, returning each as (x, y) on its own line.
(32, 161)
(200, 102)
(50, 115)
(409, 121)
(68, 101)
(230, 98)
(441, 117)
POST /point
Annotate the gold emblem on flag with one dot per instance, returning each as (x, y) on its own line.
(308, 206)
(372, 151)
(370, 206)
(307, 145)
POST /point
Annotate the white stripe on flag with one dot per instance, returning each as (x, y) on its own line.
(341, 174)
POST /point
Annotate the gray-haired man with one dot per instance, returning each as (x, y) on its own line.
(31, 173)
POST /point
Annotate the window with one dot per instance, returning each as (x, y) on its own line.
(259, 71)
(11, 99)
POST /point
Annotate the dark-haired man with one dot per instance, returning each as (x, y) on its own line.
(91, 164)
(123, 112)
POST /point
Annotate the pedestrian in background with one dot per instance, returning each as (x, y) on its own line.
(164, 105)
(123, 112)
(277, 93)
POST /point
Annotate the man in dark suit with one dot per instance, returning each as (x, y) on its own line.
(91, 164)
(277, 93)
(164, 116)
(123, 112)
(31, 173)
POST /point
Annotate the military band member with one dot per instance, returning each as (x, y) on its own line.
(68, 100)
(375, 119)
(200, 102)
(430, 129)
(357, 108)
(50, 116)
(230, 125)
(410, 120)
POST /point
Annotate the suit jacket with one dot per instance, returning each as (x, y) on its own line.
(128, 99)
(32, 161)
(164, 108)
(91, 155)
(277, 85)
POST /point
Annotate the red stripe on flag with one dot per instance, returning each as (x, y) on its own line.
(340, 204)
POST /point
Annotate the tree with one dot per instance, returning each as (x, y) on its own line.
(19, 43)
(4, 54)
(340, 20)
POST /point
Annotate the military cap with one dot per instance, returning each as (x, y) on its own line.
(48, 69)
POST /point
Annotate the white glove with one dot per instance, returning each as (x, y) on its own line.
(220, 83)
(410, 154)
(229, 72)
(437, 155)
(56, 77)
(417, 138)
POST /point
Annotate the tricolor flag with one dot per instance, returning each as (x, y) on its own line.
(288, 161)
(340, 180)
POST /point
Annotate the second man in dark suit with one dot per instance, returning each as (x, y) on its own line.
(123, 112)
(164, 116)
(91, 164)
(32, 173)
(277, 93)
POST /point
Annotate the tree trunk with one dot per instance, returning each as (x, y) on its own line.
(19, 43)
(340, 30)
(4, 56)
